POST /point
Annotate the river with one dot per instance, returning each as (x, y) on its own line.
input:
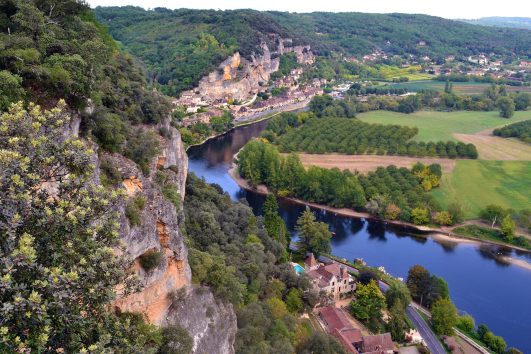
(493, 292)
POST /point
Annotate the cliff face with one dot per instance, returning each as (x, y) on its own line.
(238, 78)
(213, 331)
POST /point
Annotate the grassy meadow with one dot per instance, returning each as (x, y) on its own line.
(435, 126)
(464, 88)
(477, 183)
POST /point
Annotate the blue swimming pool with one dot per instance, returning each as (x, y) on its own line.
(298, 268)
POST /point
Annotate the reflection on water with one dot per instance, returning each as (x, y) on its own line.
(481, 283)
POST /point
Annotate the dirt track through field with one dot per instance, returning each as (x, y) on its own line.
(495, 148)
(367, 163)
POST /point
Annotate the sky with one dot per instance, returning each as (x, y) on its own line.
(469, 9)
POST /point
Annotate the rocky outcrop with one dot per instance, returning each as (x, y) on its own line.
(158, 231)
(212, 325)
(238, 78)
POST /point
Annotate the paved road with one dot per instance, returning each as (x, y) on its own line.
(425, 331)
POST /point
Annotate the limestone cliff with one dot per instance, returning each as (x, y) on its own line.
(213, 331)
(238, 78)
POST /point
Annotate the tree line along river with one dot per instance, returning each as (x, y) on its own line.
(493, 292)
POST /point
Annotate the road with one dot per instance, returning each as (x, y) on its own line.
(434, 345)
(425, 331)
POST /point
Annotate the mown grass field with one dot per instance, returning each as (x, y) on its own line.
(393, 72)
(465, 88)
(477, 183)
(435, 126)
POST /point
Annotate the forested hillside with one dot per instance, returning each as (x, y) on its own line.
(51, 51)
(180, 46)
(512, 22)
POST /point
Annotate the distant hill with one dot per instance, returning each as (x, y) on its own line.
(180, 46)
(511, 22)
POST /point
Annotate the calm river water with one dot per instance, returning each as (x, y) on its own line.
(492, 292)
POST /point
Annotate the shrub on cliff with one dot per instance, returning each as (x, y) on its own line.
(58, 234)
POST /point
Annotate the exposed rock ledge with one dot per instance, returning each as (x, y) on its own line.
(212, 325)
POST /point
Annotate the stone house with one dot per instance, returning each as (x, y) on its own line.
(332, 278)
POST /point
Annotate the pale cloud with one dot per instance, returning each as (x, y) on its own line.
(443, 8)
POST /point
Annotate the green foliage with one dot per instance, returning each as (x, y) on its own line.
(520, 130)
(180, 46)
(321, 343)
(522, 101)
(110, 175)
(231, 251)
(176, 340)
(492, 235)
(287, 63)
(443, 218)
(10, 89)
(142, 146)
(420, 216)
(274, 224)
(466, 323)
(133, 210)
(425, 288)
(443, 317)
(109, 131)
(58, 233)
(63, 52)
(222, 123)
(397, 293)
(493, 214)
(398, 325)
(326, 106)
(260, 163)
(314, 236)
(369, 302)
(506, 106)
(294, 301)
(508, 227)
(151, 259)
(353, 137)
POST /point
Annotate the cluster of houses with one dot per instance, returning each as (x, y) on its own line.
(335, 280)
(338, 325)
(200, 108)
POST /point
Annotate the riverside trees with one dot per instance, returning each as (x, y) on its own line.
(386, 191)
(314, 236)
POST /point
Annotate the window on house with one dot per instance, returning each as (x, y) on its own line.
(344, 282)
(333, 283)
(339, 288)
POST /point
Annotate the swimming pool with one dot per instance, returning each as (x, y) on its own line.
(298, 268)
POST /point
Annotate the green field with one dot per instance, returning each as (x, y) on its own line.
(435, 126)
(465, 88)
(477, 183)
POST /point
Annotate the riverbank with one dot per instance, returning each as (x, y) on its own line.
(243, 123)
(438, 234)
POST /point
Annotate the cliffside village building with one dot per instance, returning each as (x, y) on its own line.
(337, 324)
(332, 278)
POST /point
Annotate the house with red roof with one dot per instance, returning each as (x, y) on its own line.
(337, 324)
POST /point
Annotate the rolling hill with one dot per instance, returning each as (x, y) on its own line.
(180, 46)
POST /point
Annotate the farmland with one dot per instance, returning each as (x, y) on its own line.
(367, 163)
(434, 126)
(478, 183)
(464, 88)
